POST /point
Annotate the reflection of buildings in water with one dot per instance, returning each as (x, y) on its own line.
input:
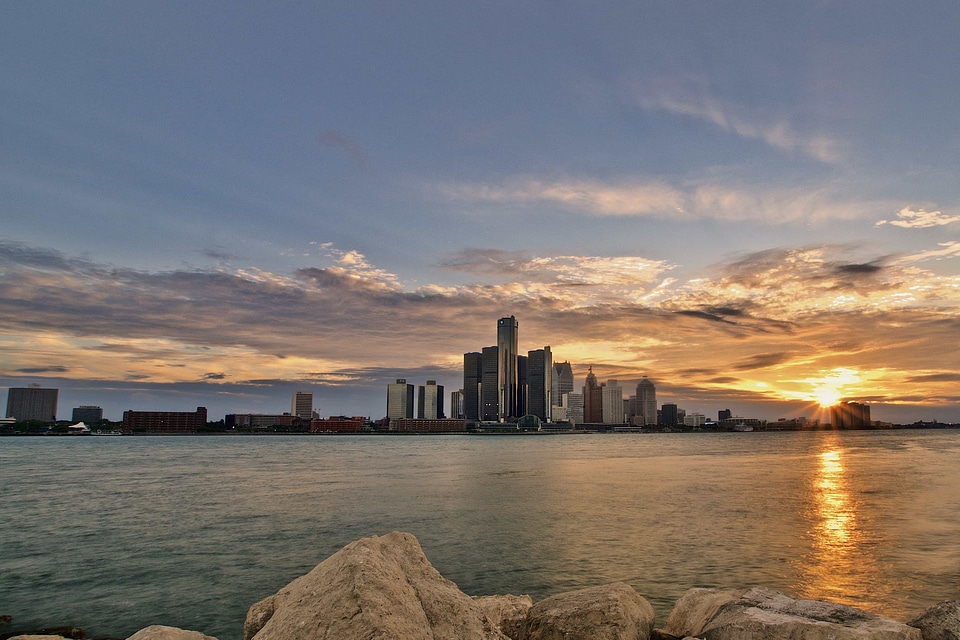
(841, 565)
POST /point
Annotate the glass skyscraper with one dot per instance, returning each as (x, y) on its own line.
(507, 375)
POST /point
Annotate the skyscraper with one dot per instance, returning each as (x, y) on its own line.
(32, 403)
(561, 382)
(646, 402)
(612, 402)
(399, 400)
(472, 377)
(669, 415)
(430, 397)
(489, 387)
(507, 372)
(539, 382)
(592, 400)
(456, 404)
(302, 405)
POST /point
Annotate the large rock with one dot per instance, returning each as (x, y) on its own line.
(939, 622)
(763, 613)
(160, 632)
(608, 612)
(375, 588)
(508, 612)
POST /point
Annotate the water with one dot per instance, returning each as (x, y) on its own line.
(114, 534)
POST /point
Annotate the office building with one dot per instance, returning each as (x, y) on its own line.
(32, 403)
(472, 377)
(302, 405)
(574, 406)
(489, 386)
(336, 424)
(592, 400)
(561, 382)
(508, 376)
(399, 400)
(87, 415)
(456, 405)
(646, 404)
(430, 401)
(669, 415)
(165, 421)
(612, 403)
(850, 415)
(540, 382)
(724, 414)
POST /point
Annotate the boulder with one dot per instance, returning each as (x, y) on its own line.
(375, 588)
(34, 636)
(160, 632)
(508, 612)
(761, 613)
(608, 612)
(939, 622)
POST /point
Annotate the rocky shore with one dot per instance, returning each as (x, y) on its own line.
(384, 588)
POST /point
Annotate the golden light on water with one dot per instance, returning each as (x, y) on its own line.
(841, 565)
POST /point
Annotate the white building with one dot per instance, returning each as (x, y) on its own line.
(302, 405)
(612, 399)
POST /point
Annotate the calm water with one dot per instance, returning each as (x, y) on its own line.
(113, 534)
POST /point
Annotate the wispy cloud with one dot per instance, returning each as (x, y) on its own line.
(693, 200)
(920, 219)
(335, 140)
(693, 99)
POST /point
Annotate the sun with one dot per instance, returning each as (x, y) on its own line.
(826, 396)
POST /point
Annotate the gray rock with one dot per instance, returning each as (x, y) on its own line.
(160, 632)
(508, 612)
(376, 588)
(31, 636)
(608, 612)
(939, 622)
(763, 613)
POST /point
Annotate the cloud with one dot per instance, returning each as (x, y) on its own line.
(597, 198)
(920, 219)
(773, 317)
(693, 200)
(949, 250)
(331, 139)
(693, 100)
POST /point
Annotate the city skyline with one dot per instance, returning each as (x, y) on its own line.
(759, 208)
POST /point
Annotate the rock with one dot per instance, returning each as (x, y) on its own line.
(939, 622)
(34, 636)
(763, 613)
(508, 612)
(160, 632)
(608, 612)
(375, 588)
(257, 616)
(67, 633)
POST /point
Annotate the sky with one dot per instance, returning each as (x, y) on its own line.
(216, 204)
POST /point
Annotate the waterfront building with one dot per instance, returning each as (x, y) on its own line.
(539, 382)
(850, 415)
(508, 378)
(646, 404)
(456, 404)
(442, 425)
(399, 400)
(32, 403)
(669, 415)
(262, 420)
(336, 424)
(561, 382)
(592, 399)
(87, 414)
(302, 405)
(165, 421)
(612, 402)
(574, 406)
(694, 420)
(489, 385)
(724, 414)
(430, 401)
(472, 377)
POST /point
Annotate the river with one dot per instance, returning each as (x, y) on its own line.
(112, 534)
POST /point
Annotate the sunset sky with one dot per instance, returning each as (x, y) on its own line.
(219, 203)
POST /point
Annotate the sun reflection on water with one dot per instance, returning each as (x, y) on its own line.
(842, 564)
